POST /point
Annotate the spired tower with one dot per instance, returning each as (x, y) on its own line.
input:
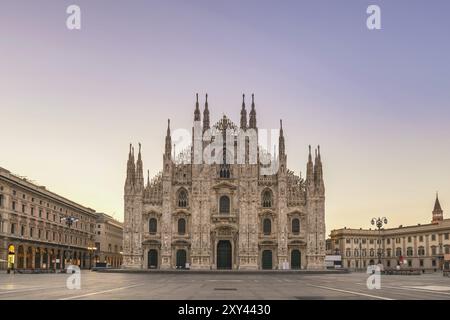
(438, 214)
(132, 232)
(229, 213)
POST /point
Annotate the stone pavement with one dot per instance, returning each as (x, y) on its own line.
(236, 286)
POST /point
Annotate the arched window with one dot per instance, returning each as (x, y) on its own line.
(421, 251)
(372, 252)
(409, 251)
(183, 198)
(181, 226)
(267, 226)
(398, 252)
(224, 204)
(356, 254)
(152, 225)
(295, 226)
(267, 199)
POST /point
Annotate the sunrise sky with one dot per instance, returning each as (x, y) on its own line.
(378, 102)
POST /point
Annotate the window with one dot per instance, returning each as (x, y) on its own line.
(152, 225)
(348, 253)
(355, 240)
(267, 226)
(433, 250)
(421, 262)
(347, 240)
(409, 263)
(1, 200)
(14, 205)
(433, 263)
(363, 252)
(421, 251)
(181, 226)
(14, 192)
(398, 252)
(445, 235)
(39, 233)
(388, 241)
(23, 196)
(32, 211)
(409, 239)
(372, 252)
(409, 251)
(364, 241)
(13, 228)
(388, 263)
(267, 199)
(296, 226)
(23, 208)
(397, 240)
(109, 247)
(40, 213)
(46, 235)
(433, 237)
(182, 198)
(356, 253)
(420, 238)
(22, 231)
(224, 204)
(371, 241)
(388, 252)
(447, 249)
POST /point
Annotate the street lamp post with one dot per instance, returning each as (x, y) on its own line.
(379, 222)
(91, 250)
(69, 221)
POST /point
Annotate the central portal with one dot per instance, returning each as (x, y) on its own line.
(224, 255)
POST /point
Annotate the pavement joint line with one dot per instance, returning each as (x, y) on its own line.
(416, 289)
(352, 292)
(100, 292)
(28, 289)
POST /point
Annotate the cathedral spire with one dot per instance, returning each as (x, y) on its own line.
(139, 170)
(309, 168)
(437, 211)
(168, 147)
(243, 114)
(197, 110)
(252, 122)
(148, 178)
(206, 115)
(281, 148)
(130, 168)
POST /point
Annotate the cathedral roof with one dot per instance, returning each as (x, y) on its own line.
(224, 124)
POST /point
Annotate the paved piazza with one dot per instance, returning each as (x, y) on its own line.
(222, 286)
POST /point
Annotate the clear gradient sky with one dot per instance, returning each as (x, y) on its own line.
(376, 101)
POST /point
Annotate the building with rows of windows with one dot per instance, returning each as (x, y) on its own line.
(40, 229)
(422, 246)
(224, 214)
(108, 240)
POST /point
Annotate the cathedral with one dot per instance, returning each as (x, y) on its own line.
(224, 203)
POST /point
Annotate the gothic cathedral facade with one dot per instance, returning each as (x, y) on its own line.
(224, 214)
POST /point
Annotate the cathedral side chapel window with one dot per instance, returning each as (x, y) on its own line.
(182, 199)
(181, 226)
(267, 199)
(267, 226)
(224, 205)
(295, 226)
(152, 225)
